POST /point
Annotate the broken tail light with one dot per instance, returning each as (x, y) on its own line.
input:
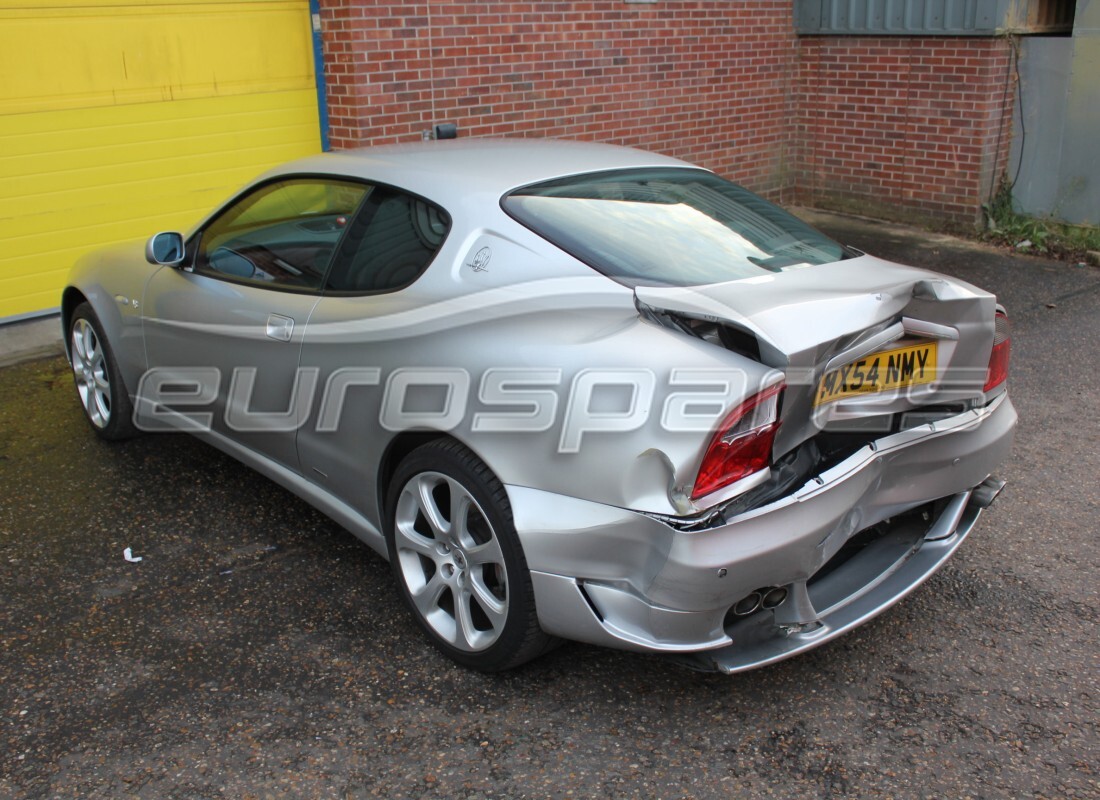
(742, 444)
(998, 359)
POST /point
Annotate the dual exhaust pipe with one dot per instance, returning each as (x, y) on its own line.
(983, 495)
(768, 598)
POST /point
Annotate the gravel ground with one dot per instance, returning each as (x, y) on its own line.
(258, 650)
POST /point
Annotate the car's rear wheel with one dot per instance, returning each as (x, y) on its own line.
(99, 386)
(458, 561)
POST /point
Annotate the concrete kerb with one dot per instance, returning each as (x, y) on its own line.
(28, 340)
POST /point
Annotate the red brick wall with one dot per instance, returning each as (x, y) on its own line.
(706, 81)
(900, 127)
(903, 127)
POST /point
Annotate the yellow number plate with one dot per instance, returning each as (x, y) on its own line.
(879, 372)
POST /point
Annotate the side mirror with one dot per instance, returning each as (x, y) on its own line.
(165, 248)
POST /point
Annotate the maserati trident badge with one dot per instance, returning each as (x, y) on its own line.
(481, 260)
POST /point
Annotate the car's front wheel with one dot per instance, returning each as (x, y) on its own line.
(458, 561)
(99, 384)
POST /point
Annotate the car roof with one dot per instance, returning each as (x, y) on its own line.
(442, 170)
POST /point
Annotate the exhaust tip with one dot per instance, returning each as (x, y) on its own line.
(747, 604)
(773, 597)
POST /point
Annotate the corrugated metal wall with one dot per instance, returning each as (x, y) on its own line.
(1055, 140)
(930, 17)
(120, 120)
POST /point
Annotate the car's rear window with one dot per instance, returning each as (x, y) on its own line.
(669, 227)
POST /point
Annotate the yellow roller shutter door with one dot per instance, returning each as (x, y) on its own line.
(118, 119)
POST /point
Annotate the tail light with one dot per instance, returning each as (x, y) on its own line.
(742, 444)
(998, 359)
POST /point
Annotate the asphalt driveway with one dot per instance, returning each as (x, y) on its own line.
(258, 650)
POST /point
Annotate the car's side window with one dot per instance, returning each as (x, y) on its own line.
(282, 235)
(389, 244)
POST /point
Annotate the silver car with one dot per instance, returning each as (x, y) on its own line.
(569, 391)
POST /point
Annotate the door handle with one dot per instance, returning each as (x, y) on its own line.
(279, 327)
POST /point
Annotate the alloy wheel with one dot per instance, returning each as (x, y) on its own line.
(451, 561)
(93, 382)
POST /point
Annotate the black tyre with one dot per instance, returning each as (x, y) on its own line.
(99, 385)
(457, 559)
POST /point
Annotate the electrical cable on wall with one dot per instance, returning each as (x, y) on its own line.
(1005, 94)
(1020, 110)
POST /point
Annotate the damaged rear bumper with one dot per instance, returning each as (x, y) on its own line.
(882, 574)
(618, 578)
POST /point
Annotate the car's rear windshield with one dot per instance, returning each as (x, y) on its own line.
(669, 227)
